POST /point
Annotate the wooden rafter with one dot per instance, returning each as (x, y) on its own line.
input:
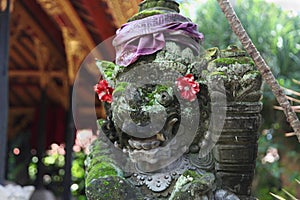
(26, 99)
(14, 55)
(122, 10)
(34, 30)
(64, 14)
(35, 73)
(44, 22)
(26, 118)
(101, 21)
(18, 110)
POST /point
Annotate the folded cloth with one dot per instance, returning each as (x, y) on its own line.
(149, 35)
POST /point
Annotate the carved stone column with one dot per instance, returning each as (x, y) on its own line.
(236, 150)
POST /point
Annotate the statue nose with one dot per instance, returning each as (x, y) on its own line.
(154, 125)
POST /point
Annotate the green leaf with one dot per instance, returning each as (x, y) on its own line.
(109, 71)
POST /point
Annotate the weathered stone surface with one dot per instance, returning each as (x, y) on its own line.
(160, 142)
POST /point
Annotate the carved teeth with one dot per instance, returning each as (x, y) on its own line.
(144, 144)
(155, 144)
(134, 144)
(160, 137)
(137, 145)
(131, 143)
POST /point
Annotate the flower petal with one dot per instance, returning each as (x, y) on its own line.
(104, 91)
(188, 87)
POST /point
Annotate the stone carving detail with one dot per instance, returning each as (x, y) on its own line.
(160, 138)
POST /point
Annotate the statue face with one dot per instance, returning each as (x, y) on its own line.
(155, 118)
(141, 113)
(147, 117)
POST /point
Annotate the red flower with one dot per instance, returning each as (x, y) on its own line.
(104, 91)
(188, 87)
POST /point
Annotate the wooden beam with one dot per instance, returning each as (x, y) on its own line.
(65, 15)
(26, 100)
(35, 73)
(69, 141)
(77, 23)
(45, 23)
(17, 57)
(14, 128)
(13, 100)
(41, 137)
(4, 49)
(35, 92)
(34, 30)
(26, 55)
(105, 27)
(21, 110)
(122, 10)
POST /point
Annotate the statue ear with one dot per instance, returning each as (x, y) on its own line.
(109, 71)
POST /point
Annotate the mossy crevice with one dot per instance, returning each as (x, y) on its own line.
(231, 61)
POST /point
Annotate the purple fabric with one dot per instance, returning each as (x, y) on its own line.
(149, 35)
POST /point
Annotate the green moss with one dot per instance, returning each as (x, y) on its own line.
(212, 53)
(99, 163)
(191, 185)
(112, 188)
(230, 61)
(105, 182)
(191, 173)
(218, 73)
(100, 123)
(121, 86)
(95, 146)
(144, 14)
(152, 95)
(253, 73)
(109, 71)
(102, 169)
(99, 159)
(163, 4)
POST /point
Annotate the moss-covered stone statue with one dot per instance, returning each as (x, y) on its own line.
(181, 121)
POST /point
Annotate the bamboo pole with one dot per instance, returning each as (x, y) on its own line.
(264, 69)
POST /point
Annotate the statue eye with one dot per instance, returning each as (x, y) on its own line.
(165, 99)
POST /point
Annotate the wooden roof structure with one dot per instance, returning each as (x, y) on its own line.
(49, 39)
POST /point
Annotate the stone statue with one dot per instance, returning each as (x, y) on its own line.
(181, 121)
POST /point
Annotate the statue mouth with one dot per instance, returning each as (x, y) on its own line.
(148, 143)
(160, 139)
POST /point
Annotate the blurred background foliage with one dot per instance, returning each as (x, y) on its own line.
(276, 34)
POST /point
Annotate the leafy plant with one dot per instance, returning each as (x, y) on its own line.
(274, 32)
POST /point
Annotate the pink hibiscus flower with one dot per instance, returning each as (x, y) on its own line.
(188, 87)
